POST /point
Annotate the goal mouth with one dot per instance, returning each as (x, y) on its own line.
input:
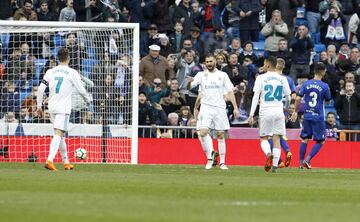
(107, 57)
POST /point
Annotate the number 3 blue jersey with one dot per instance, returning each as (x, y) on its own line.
(315, 92)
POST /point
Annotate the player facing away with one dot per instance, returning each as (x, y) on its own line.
(213, 84)
(271, 88)
(280, 65)
(61, 81)
(315, 92)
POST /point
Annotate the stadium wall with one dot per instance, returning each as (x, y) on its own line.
(185, 151)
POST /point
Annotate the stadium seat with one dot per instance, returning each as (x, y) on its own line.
(259, 48)
(319, 48)
(261, 37)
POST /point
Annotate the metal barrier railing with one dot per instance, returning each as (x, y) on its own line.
(155, 131)
(349, 135)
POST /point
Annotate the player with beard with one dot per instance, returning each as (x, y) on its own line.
(213, 84)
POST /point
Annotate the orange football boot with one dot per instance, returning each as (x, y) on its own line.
(50, 165)
(269, 161)
(288, 159)
(68, 166)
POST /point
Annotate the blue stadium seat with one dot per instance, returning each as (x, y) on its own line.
(317, 38)
(259, 48)
(88, 65)
(261, 37)
(319, 48)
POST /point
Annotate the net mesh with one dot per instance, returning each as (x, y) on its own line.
(104, 58)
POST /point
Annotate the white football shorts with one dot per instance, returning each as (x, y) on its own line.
(211, 117)
(60, 121)
(272, 124)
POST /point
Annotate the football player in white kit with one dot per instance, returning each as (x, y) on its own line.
(61, 81)
(271, 87)
(213, 83)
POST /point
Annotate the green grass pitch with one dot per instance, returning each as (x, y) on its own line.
(176, 193)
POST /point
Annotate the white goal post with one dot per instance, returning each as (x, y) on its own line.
(107, 58)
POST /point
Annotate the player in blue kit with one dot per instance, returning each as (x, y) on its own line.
(314, 92)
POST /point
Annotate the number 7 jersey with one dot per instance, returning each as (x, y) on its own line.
(314, 92)
(61, 80)
(272, 87)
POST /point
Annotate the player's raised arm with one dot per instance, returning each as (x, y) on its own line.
(79, 86)
(194, 81)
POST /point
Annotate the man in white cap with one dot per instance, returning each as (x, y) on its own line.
(154, 66)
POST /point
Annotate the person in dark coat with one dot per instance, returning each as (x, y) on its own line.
(249, 20)
(184, 13)
(161, 15)
(140, 12)
(6, 11)
(236, 72)
(44, 14)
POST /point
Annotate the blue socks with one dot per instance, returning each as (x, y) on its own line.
(284, 145)
(302, 151)
(314, 150)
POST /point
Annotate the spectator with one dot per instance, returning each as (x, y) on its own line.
(216, 42)
(156, 92)
(324, 9)
(332, 56)
(94, 11)
(197, 13)
(354, 33)
(165, 45)
(252, 72)
(313, 16)
(211, 20)
(43, 45)
(344, 51)
(11, 118)
(354, 59)
(347, 106)
(221, 60)
(10, 99)
(331, 126)
(236, 72)
(105, 95)
(177, 38)
(184, 13)
(235, 46)
(248, 51)
(25, 116)
(68, 14)
(44, 14)
(159, 114)
(186, 63)
(173, 120)
(76, 50)
(289, 123)
(161, 15)
(243, 99)
(301, 46)
(273, 31)
(145, 116)
(142, 87)
(141, 12)
(154, 66)
(26, 11)
(231, 19)
(288, 9)
(284, 54)
(197, 43)
(148, 39)
(249, 20)
(334, 27)
(88, 118)
(78, 105)
(6, 9)
(174, 101)
(80, 9)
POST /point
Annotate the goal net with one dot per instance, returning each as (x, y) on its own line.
(105, 54)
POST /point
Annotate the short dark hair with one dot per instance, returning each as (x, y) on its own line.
(330, 113)
(272, 60)
(319, 67)
(63, 54)
(209, 55)
(28, 1)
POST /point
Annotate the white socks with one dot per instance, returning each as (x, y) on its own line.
(207, 145)
(265, 146)
(54, 146)
(276, 153)
(222, 150)
(63, 151)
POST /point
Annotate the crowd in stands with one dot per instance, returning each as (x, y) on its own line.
(175, 36)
